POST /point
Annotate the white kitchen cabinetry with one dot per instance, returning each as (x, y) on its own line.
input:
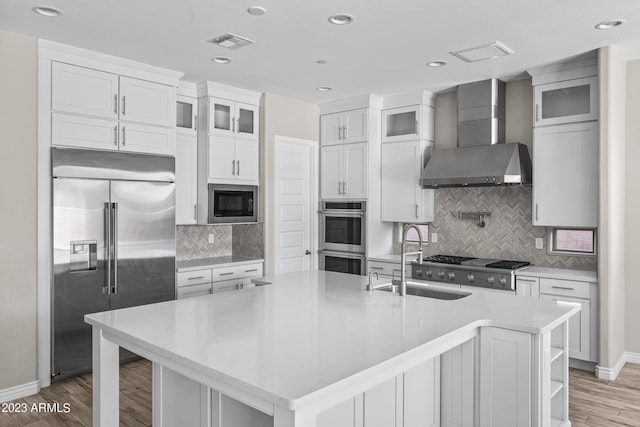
(583, 327)
(229, 152)
(141, 113)
(344, 127)
(402, 198)
(505, 378)
(457, 378)
(186, 179)
(565, 175)
(343, 171)
(187, 115)
(193, 283)
(216, 279)
(567, 101)
(408, 123)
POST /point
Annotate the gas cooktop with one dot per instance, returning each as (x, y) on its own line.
(476, 262)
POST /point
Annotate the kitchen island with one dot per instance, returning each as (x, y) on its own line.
(316, 349)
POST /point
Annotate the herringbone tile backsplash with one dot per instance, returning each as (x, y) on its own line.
(192, 241)
(508, 233)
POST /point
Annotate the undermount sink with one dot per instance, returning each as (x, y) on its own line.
(421, 291)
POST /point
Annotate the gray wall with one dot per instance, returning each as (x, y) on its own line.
(18, 166)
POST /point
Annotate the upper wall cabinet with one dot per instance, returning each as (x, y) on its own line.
(229, 118)
(568, 101)
(186, 115)
(90, 92)
(344, 127)
(407, 123)
(101, 110)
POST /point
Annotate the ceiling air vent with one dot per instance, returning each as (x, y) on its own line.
(231, 41)
(480, 53)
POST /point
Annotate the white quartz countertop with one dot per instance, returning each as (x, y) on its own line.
(310, 333)
(559, 273)
(214, 262)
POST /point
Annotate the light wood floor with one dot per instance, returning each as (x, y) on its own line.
(592, 402)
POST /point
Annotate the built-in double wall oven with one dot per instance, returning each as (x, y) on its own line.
(343, 236)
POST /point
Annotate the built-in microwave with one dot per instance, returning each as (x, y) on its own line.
(232, 203)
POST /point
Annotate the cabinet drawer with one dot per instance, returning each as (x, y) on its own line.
(387, 268)
(568, 288)
(193, 291)
(196, 277)
(250, 270)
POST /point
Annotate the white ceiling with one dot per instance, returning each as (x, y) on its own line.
(383, 52)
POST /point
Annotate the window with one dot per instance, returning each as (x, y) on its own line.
(412, 234)
(570, 241)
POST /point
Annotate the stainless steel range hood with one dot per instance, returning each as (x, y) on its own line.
(482, 158)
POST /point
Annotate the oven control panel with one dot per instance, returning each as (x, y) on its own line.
(484, 279)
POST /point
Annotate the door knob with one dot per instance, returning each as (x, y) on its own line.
(307, 252)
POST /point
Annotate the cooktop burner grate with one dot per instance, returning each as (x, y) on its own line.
(508, 265)
(447, 259)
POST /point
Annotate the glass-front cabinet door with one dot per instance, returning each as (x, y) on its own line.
(233, 118)
(246, 120)
(566, 102)
(406, 123)
(186, 115)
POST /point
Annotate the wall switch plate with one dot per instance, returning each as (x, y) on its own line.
(434, 237)
(212, 238)
(539, 243)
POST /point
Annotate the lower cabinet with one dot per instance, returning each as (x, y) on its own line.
(205, 281)
(457, 379)
(505, 378)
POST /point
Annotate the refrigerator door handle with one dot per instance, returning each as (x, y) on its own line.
(114, 243)
(106, 289)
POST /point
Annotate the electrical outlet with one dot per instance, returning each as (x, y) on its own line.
(539, 243)
(434, 237)
(212, 238)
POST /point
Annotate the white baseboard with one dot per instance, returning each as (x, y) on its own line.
(610, 374)
(19, 391)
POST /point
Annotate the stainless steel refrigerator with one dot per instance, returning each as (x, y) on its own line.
(113, 243)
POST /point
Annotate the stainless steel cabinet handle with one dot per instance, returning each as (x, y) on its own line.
(115, 103)
(195, 211)
(417, 128)
(339, 132)
(195, 278)
(238, 167)
(123, 136)
(226, 274)
(563, 287)
(250, 271)
(537, 112)
(339, 188)
(376, 268)
(416, 210)
(107, 246)
(195, 122)
(233, 167)
(115, 135)
(124, 105)
(233, 124)
(536, 211)
(344, 132)
(115, 247)
(344, 188)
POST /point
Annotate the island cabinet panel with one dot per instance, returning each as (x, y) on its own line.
(505, 378)
(342, 415)
(179, 400)
(380, 405)
(421, 395)
(457, 386)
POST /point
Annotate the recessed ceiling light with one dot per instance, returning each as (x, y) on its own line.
(221, 60)
(257, 10)
(436, 63)
(48, 11)
(606, 25)
(321, 61)
(324, 88)
(341, 19)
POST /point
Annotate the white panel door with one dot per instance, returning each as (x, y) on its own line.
(222, 161)
(330, 172)
(401, 163)
(146, 102)
(247, 158)
(331, 129)
(84, 91)
(565, 175)
(505, 378)
(355, 126)
(84, 132)
(294, 206)
(186, 179)
(147, 139)
(354, 180)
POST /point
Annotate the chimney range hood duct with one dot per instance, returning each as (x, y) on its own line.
(482, 158)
